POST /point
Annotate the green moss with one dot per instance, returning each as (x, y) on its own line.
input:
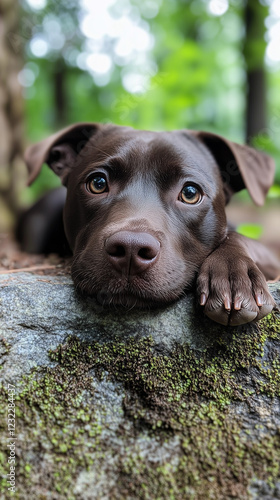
(185, 398)
(51, 418)
(5, 348)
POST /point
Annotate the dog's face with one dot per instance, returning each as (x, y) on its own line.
(143, 209)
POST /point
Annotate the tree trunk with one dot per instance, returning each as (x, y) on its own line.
(254, 52)
(60, 97)
(11, 106)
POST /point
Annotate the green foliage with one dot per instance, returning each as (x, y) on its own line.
(250, 230)
(274, 192)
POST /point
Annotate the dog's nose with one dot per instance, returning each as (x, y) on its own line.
(132, 253)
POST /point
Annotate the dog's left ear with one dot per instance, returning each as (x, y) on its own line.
(59, 150)
(241, 166)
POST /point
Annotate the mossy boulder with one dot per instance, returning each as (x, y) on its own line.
(160, 404)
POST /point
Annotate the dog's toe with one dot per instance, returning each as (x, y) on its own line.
(220, 315)
(231, 316)
(242, 317)
(265, 310)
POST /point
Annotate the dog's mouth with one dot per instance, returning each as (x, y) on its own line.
(124, 300)
(137, 294)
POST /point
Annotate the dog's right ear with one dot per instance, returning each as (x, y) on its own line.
(59, 150)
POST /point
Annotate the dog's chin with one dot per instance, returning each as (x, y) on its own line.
(128, 296)
(126, 301)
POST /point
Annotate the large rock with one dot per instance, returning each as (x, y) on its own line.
(158, 404)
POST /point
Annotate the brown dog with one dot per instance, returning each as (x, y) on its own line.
(145, 217)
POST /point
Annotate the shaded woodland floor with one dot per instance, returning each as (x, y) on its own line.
(11, 259)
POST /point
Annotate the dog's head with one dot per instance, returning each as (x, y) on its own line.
(144, 209)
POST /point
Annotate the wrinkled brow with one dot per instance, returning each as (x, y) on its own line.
(169, 163)
(116, 167)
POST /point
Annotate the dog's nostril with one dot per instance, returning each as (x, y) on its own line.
(147, 253)
(116, 251)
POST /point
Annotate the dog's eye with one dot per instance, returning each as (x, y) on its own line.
(190, 194)
(97, 184)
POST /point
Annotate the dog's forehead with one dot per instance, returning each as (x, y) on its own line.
(166, 152)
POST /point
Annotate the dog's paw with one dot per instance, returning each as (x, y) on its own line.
(233, 290)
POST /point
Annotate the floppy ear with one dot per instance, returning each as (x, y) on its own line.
(241, 166)
(59, 150)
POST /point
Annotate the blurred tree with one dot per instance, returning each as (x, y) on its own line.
(200, 81)
(11, 106)
(55, 27)
(255, 14)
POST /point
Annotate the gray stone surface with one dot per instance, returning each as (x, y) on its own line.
(37, 313)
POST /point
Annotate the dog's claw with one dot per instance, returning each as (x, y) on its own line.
(227, 304)
(237, 304)
(203, 299)
(259, 299)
